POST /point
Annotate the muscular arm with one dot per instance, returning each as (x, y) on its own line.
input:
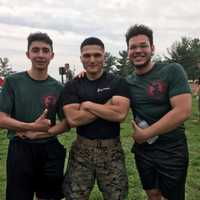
(181, 110)
(76, 116)
(115, 111)
(10, 123)
(59, 128)
(53, 131)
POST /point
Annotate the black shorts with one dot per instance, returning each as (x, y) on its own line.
(35, 168)
(163, 166)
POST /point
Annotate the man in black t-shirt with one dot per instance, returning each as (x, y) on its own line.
(95, 105)
(161, 102)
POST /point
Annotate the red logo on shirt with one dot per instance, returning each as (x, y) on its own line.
(1, 82)
(49, 101)
(157, 89)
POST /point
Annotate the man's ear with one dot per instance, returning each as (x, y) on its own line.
(52, 55)
(81, 59)
(153, 50)
(104, 56)
(27, 55)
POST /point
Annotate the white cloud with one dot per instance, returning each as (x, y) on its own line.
(68, 23)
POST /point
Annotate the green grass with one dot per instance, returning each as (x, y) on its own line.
(135, 189)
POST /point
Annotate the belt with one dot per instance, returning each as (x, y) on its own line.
(97, 142)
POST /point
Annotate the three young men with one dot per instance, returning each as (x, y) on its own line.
(95, 105)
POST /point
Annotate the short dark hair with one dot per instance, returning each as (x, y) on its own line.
(39, 36)
(92, 41)
(139, 29)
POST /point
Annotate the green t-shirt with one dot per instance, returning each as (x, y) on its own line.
(151, 92)
(25, 99)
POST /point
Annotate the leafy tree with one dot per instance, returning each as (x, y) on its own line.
(158, 59)
(187, 53)
(124, 66)
(110, 63)
(5, 69)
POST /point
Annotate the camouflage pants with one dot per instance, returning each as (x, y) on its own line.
(86, 164)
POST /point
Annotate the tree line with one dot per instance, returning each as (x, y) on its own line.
(186, 52)
(5, 68)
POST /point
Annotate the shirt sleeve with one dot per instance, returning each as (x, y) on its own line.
(59, 107)
(7, 98)
(121, 88)
(178, 81)
(70, 93)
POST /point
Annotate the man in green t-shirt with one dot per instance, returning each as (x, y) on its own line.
(33, 166)
(161, 102)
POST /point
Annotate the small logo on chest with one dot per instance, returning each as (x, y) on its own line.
(49, 101)
(157, 89)
(102, 89)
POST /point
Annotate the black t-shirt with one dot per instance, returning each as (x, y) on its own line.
(98, 91)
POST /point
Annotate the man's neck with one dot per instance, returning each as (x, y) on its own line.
(145, 69)
(38, 74)
(94, 76)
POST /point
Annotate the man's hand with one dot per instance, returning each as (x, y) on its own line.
(32, 135)
(81, 74)
(85, 105)
(139, 135)
(42, 116)
(26, 135)
(41, 123)
(21, 134)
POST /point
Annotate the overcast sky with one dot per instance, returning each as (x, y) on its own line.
(69, 22)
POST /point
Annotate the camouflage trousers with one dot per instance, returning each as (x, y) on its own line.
(90, 163)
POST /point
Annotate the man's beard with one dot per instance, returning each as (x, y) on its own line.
(139, 66)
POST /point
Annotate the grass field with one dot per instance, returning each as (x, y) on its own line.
(135, 190)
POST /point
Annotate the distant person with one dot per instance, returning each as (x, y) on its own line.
(68, 72)
(95, 105)
(195, 89)
(33, 166)
(161, 102)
